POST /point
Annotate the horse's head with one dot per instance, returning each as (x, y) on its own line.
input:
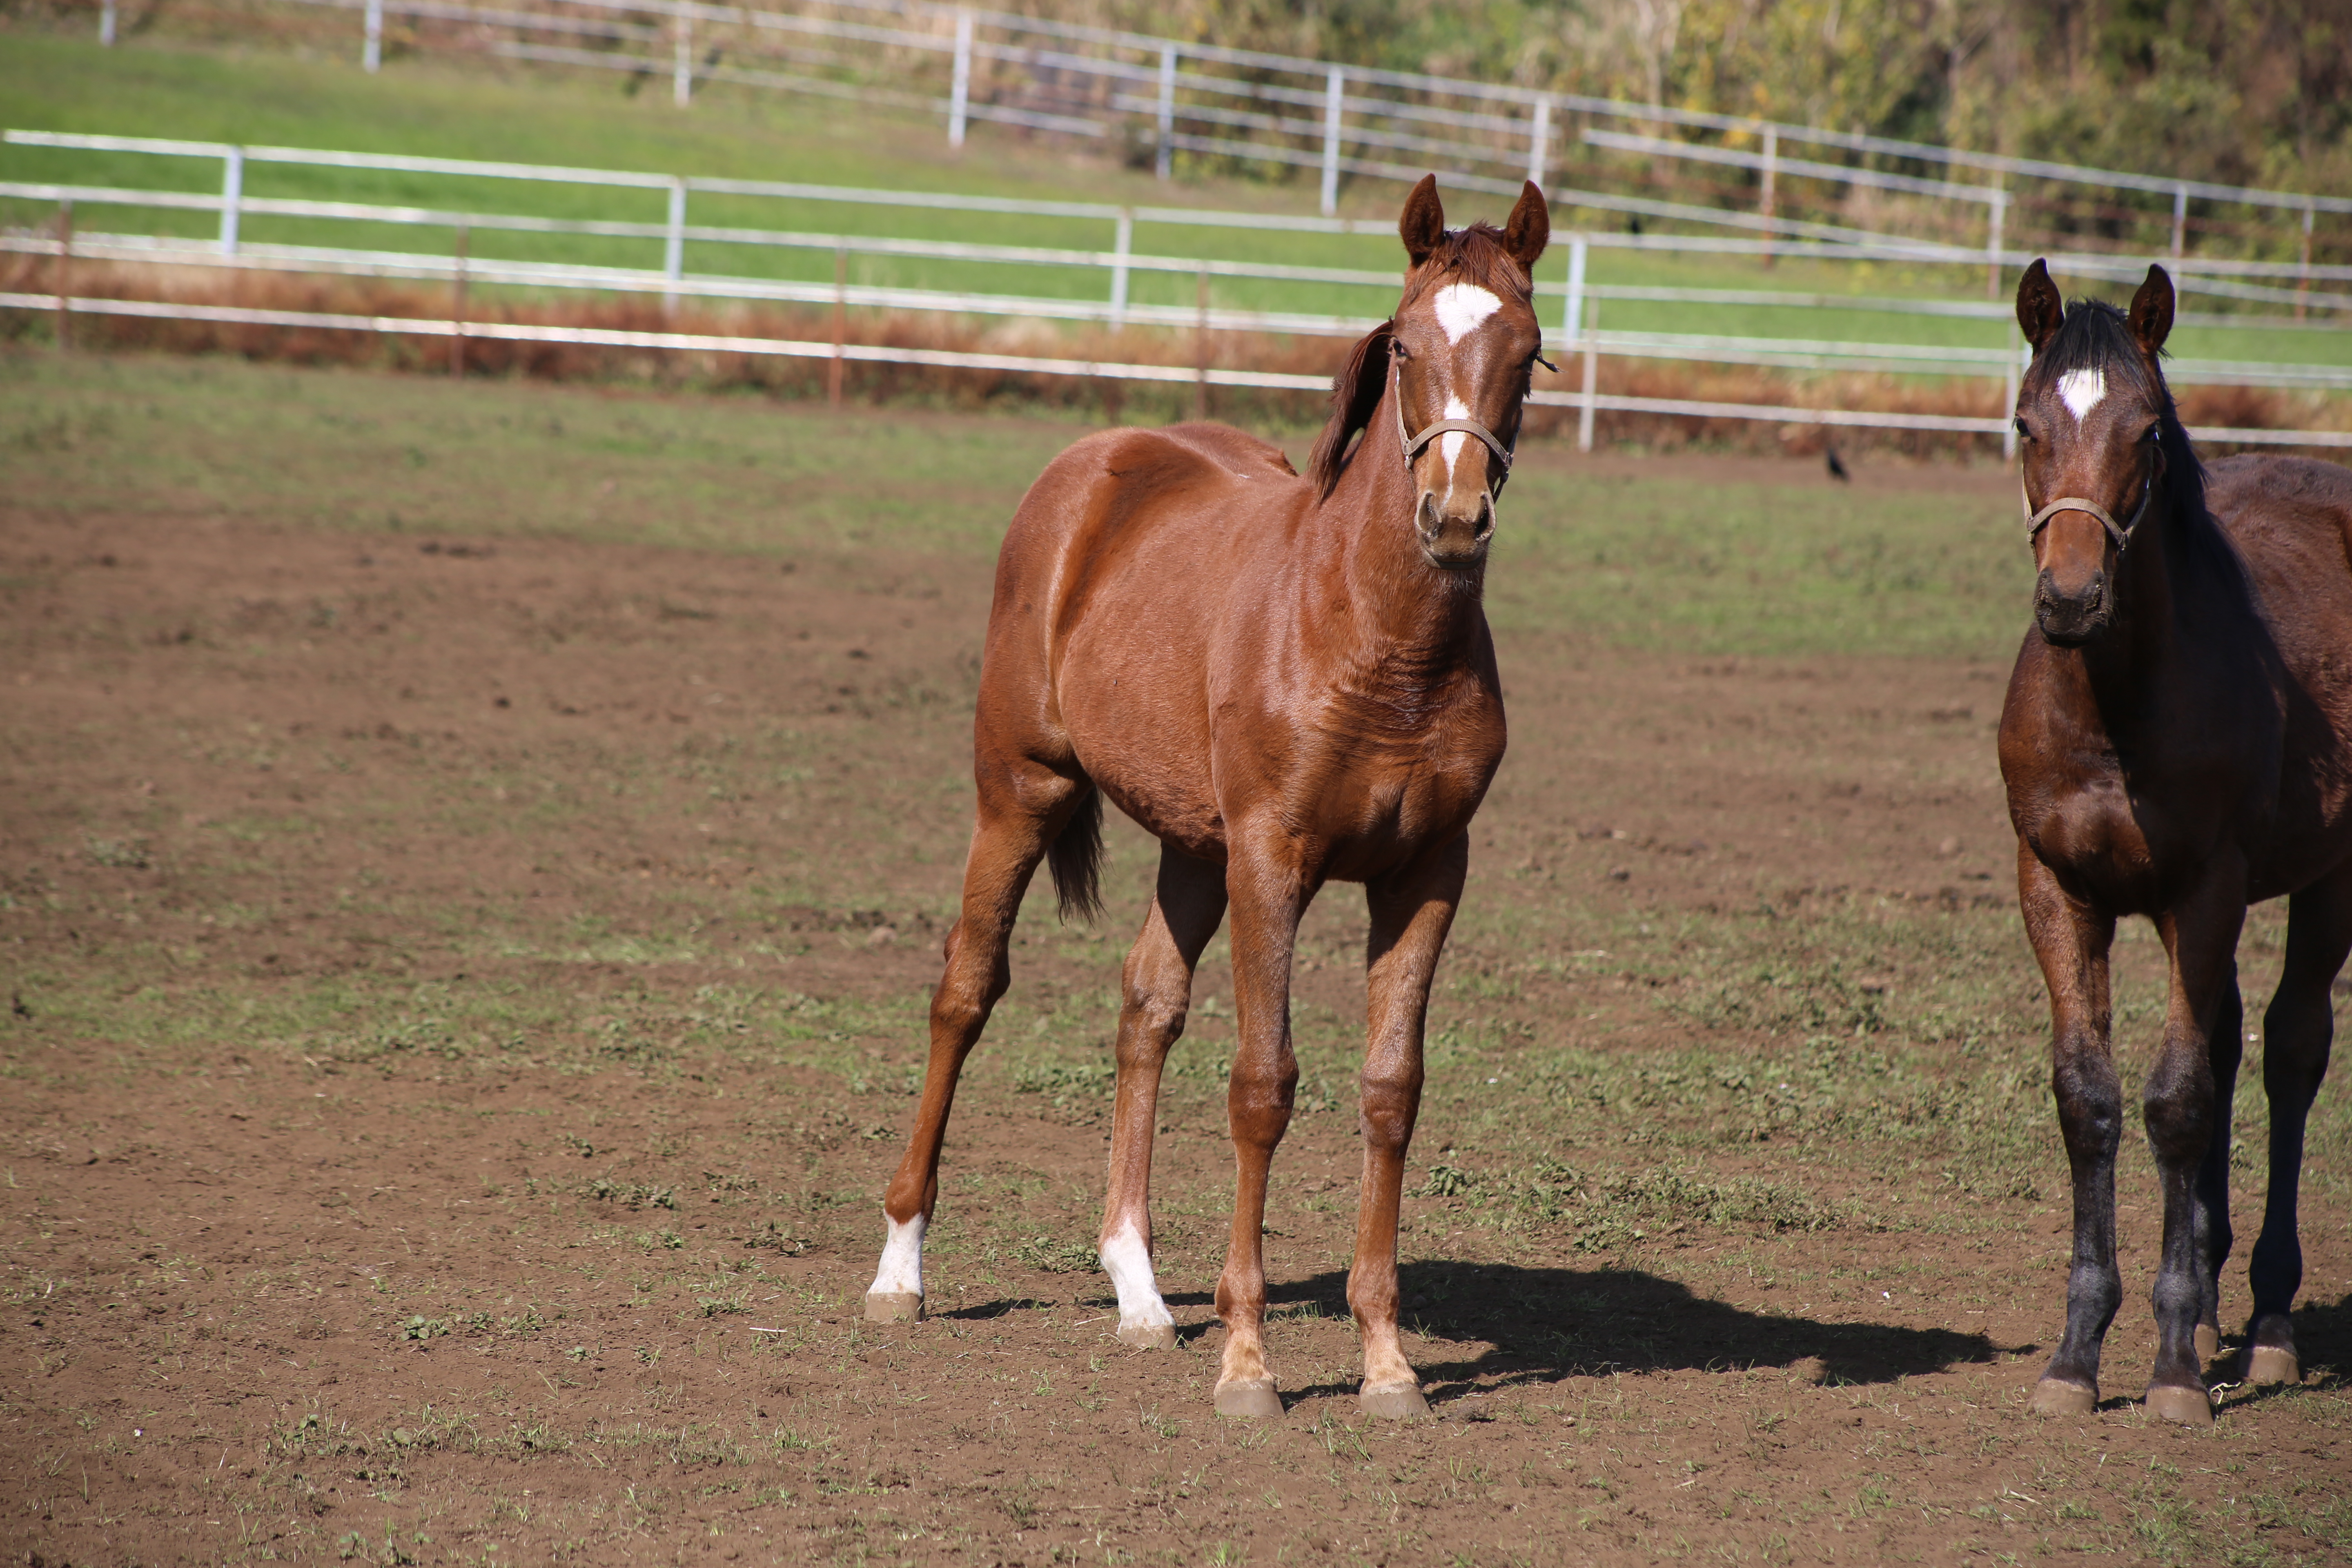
(1454, 362)
(2097, 425)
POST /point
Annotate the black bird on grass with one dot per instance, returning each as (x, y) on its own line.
(1837, 469)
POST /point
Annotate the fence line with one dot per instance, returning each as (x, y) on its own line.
(1145, 89)
(866, 354)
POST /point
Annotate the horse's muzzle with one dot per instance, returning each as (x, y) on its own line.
(2070, 619)
(1455, 541)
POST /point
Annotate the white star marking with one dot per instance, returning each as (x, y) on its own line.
(2081, 390)
(1461, 307)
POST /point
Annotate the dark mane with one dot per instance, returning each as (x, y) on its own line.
(1472, 255)
(2096, 336)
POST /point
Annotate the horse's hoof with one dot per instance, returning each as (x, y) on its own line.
(2189, 1406)
(1255, 1401)
(1397, 1402)
(2267, 1364)
(2208, 1341)
(893, 1307)
(2055, 1396)
(1149, 1336)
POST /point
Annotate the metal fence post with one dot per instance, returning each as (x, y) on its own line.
(1768, 198)
(64, 279)
(1592, 381)
(1165, 163)
(2179, 216)
(1572, 321)
(2303, 273)
(960, 94)
(372, 52)
(1201, 346)
(681, 70)
(457, 308)
(1996, 220)
(1121, 247)
(232, 193)
(106, 25)
(1334, 100)
(2008, 403)
(673, 243)
(1539, 141)
(840, 324)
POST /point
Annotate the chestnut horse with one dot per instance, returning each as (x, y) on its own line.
(2177, 743)
(1287, 681)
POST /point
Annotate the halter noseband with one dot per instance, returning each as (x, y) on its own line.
(2119, 532)
(1416, 444)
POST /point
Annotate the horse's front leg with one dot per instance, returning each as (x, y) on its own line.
(2200, 935)
(2071, 943)
(1412, 911)
(1269, 892)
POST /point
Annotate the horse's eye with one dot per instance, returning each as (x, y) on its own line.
(2155, 433)
(1399, 350)
(2021, 429)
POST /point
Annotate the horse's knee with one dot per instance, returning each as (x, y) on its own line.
(1259, 1096)
(1391, 1101)
(2089, 1104)
(2178, 1107)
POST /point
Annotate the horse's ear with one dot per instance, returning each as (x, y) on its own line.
(1355, 396)
(1530, 229)
(2151, 311)
(2039, 311)
(1423, 226)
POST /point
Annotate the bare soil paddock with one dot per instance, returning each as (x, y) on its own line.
(467, 989)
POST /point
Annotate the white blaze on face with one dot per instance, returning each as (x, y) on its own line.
(1461, 307)
(901, 1273)
(1449, 446)
(1128, 1263)
(2080, 391)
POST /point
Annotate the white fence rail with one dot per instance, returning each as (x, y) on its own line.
(1578, 298)
(1178, 96)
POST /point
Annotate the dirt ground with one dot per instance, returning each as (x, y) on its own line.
(352, 881)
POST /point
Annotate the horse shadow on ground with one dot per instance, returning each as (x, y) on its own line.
(1542, 1325)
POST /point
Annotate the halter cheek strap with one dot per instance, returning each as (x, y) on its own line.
(2119, 532)
(1416, 444)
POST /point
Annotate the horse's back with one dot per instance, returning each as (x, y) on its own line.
(2282, 509)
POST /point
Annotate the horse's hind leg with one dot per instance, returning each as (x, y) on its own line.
(1411, 912)
(1156, 992)
(2225, 1047)
(1023, 808)
(2297, 1031)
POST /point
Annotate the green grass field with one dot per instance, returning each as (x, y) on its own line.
(476, 109)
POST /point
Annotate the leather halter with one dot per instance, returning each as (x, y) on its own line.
(2119, 532)
(1416, 445)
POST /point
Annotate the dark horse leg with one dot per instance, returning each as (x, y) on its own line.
(1024, 805)
(2297, 1031)
(2070, 940)
(2200, 934)
(1412, 911)
(1156, 992)
(1268, 896)
(2226, 1048)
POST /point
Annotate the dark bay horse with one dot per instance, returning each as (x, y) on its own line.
(2177, 743)
(1289, 681)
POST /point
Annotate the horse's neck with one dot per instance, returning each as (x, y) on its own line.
(1416, 615)
(2122, 670)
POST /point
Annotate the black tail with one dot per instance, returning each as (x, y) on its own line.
(1075, 859)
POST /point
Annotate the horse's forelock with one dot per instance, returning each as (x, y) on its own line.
(1472, 255)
